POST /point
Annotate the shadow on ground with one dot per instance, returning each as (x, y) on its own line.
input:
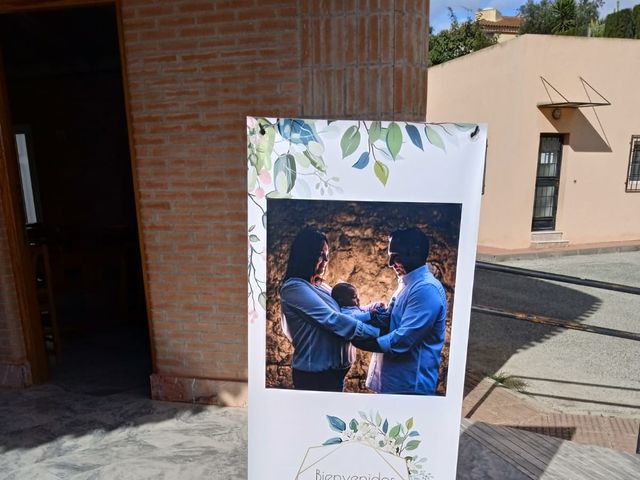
(494, 340)
(101, 384)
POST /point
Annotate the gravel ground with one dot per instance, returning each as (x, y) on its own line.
(566, 370)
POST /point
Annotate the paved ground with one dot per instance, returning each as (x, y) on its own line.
(487, 401)
(567, 371)
(51, 433)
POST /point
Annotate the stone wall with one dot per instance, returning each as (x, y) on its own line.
(358, 239)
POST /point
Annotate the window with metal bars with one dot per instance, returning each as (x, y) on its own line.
(633, 171)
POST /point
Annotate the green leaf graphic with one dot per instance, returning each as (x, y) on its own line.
(434, 138)
(353, 425)
(316, 161)
(394, 139)
(409, 423)
(381, 171)
(302, 160)
(264, 220)
(262, 300)
(465, 127)
(265, 147)
(378, 419)
(253, 238)
(395, 431)
(350, 141)
(336, 424)
(284, 172)
(412, 445)
(375, 132)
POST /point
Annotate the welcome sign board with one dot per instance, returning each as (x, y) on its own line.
(361, 251)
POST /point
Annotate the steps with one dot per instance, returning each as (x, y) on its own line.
(548, 239)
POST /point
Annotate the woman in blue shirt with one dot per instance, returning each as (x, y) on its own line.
(312, 320)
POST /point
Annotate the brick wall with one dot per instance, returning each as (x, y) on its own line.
(365, 59)
(195, 70)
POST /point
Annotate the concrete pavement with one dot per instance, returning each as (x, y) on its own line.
(571, 372)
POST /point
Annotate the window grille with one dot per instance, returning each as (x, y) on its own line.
(633, 171)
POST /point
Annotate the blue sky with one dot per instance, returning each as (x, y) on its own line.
(464, 8)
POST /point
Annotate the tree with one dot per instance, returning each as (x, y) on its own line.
(458, 40)
(537, 17)
(619, 24)
(563, 14)
(635, 14)
(560, 17)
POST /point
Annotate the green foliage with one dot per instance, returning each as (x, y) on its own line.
(596, 28)
(509, 381)
(458, 40)
(564, 17)
(587, 12)
(635, 15)
(559, 17)
(619, 24)
(537, 17)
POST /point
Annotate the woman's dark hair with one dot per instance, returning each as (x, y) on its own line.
(304, 253)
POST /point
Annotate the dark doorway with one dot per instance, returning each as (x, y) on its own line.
(547, 182)
(63, 76)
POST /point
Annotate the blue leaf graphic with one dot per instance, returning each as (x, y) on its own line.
(362, 162)
(333, 441)
(336, 424)
(297, 131)
(385, 426)
(414, 135)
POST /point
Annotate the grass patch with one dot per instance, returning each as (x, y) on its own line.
(509, 381)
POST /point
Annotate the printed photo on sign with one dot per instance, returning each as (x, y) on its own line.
(360, 295)
(361, 241)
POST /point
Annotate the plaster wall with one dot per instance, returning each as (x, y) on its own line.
(501, 86)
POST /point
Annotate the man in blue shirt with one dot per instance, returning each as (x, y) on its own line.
(408, 357)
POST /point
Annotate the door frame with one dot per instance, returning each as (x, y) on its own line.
(12, 212)
(553, 217)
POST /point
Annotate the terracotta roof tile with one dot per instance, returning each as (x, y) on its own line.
(513, 22)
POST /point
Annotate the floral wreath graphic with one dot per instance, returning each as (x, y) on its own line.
(399, 440)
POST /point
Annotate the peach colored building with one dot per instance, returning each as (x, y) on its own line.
(491, 21)
(563, 162)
